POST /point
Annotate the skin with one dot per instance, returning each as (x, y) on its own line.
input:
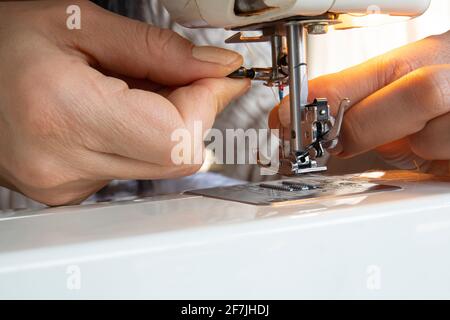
(79, 108)
(401, 106)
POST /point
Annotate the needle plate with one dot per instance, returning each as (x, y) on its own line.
(306, 187)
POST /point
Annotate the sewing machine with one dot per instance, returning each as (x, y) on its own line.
(372, 235)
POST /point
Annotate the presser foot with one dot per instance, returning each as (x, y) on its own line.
(322, 132)
(291, 167)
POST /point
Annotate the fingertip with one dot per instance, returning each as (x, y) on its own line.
(228, 87)
(244, 83)
(225, 90)
(237, 62)
(235, 88)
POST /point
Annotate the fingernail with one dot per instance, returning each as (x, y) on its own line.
(216, 55)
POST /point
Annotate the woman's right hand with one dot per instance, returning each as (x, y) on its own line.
(401, 106)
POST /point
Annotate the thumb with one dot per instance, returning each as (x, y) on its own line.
(139, 50)
(204, 99)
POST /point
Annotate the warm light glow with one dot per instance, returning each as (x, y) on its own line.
(370, 35)
(373, 174)
(367, 20)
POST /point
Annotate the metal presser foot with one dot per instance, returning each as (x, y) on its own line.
(322, 132)
(313, 129)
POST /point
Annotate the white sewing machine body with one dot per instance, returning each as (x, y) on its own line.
(391, 244)
(223, 13)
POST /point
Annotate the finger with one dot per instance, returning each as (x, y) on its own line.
(360, 81)
(204, 99)
(142, 51)
(132, 123)
(400, 109)
(401, 155)
(139, 125)
(199, 105)
(114, 167)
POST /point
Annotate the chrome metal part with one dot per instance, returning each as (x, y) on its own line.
(317, 28)
(242, 38)
(261, 74)
(330, 139)
(313, 129)
(298, 82)
(306, 188)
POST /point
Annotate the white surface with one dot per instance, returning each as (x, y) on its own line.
(386, 245)
(220, 13)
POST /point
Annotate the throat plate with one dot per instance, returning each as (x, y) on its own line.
(304, 188)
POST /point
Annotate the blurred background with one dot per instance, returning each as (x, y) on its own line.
(338, 50)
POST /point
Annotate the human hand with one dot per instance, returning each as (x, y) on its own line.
(79, 108)
(401, 106)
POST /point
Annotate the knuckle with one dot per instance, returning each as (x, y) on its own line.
(161, 38)
(392, 67)
(429, 88)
